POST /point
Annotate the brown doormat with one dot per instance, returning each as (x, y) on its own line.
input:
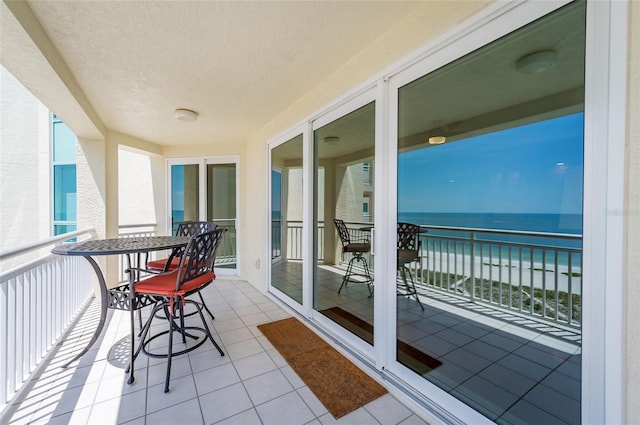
(337, 382)
(408, 355)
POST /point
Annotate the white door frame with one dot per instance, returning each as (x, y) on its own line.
(277, 141)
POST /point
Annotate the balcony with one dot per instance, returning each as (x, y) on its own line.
(51, 314)
(293, 82)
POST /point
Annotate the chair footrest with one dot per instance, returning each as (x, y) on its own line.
(365, 278)
(164, 355)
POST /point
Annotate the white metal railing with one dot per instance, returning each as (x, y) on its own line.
(132, 231)
(135, 230)
(536, 274)
(227, 255)
(293, 241)
(38, 300)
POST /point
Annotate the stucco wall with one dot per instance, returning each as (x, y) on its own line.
(24, 165)
(633, 223)
(135, 188)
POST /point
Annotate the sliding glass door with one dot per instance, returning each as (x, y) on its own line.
(490, 170)
(444, 214)
(344, 167)
(287, 220)
(205, 190)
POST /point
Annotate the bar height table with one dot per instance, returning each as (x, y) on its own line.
(118, 297)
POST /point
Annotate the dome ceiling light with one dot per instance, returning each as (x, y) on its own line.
(536, 62)
(186, 114)
(437, 140)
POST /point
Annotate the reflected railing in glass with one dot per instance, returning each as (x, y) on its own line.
(227, 255)
(535, 274)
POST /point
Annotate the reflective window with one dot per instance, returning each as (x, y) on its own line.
(286, 218)
(63, 143)
(221, 209)
(489, 234)
(185, 199)
(343, 277)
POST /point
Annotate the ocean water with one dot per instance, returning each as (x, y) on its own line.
(548, 223)
(563, 224)
(177, 215)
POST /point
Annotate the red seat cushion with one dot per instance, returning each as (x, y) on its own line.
(160, 264)
(357, 247)
(406, 256)
(165, 284)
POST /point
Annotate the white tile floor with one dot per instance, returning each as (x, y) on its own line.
(251, 384)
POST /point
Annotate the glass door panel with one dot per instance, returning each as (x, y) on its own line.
(286, 218)
(185, 194)
(490, 169)
(221, 209)
(344, 193)
(205, 190)
(276, 215)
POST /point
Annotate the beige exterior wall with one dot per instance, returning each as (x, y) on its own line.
(136, 193)
(25, 165)
(632, 272)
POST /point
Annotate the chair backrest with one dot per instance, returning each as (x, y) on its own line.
(343, 232)
(408, 244)
(199, 255)
(408, 236)
(190, 228)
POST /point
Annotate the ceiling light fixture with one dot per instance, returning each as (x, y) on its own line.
(331, 140)
(437, 140)
(536, 62)
(186, 114)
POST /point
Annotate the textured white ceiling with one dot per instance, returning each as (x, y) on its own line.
(238, 64)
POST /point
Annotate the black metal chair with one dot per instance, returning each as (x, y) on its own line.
(194, 273)
(408, 251)
(356, 247)
(185, 228)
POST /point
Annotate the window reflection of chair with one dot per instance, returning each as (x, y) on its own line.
(193, 274)
(356, 247)
(409, 246)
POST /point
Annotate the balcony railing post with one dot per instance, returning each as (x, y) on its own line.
(472, 266)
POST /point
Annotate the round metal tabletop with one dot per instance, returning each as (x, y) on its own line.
(121, 245)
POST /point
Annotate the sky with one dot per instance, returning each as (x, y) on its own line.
(535, 168)
(177, 188)
(276, 192)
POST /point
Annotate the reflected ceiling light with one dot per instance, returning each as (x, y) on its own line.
(437, 140)
(536, 62)
(186, 114)
(332, 140)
